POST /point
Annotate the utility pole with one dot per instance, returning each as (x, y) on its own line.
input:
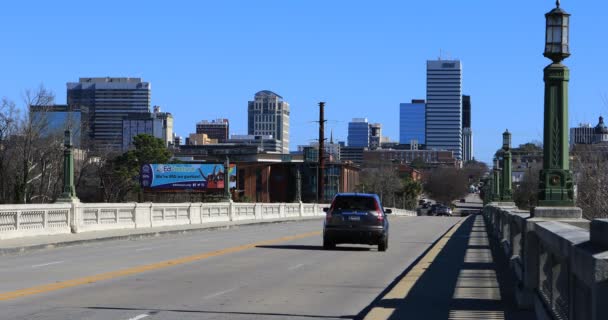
(321, 175)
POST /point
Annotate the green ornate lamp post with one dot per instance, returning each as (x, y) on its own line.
(507, 191)
(496, 182)
(556, 188)
(69, 191)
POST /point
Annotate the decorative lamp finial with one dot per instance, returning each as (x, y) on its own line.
(557, 3)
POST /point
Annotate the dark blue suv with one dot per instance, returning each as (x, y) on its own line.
(356, 218)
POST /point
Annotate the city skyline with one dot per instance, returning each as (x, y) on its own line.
(354, 58)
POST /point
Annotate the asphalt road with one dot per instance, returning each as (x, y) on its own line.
(275, 271)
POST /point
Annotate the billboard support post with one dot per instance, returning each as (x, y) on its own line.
(227, 195)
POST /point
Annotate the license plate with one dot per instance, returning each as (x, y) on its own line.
(354, 218)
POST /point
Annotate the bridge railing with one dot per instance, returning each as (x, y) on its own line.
(561, 266)
(50, 219)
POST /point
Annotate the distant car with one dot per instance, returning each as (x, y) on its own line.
(443, 211)
(356, 218)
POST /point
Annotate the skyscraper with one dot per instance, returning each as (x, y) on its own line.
(215, 129)
(53, 120)
(467, 131)
(104, 103)
(268, 114)
(358, 133)
(375, 136)
(444, 106)
(412, 122)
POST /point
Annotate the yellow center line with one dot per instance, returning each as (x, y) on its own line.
(403, 287)
(143, 268)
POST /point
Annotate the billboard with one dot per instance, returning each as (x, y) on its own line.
(200, 177)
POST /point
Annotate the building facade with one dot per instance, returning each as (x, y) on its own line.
(164, 125)
(53, 120)
(215, 129)
(432, 158)
(375, 136)
(268, 114)
(583, 134)
(359, 133)
(104, 103)
(412, 122)
(443, 128)
(265, 143)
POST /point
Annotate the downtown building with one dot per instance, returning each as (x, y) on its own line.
(443, 124)
(412, 123)
(104, 103)
(215, 129)
(53, 120)
(268, 115)
(157, 124)
(359, 132)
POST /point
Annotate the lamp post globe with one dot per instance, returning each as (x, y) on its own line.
(506, 140)
(557, 34)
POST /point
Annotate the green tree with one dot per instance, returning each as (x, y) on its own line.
(120, 176)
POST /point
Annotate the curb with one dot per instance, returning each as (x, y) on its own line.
(150, 234)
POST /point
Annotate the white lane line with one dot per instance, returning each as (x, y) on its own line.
(217, 294)
(47, 264)
(297, 266)
(149, 248)
(141, 316)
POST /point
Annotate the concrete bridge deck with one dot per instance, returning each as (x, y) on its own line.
(435, 268)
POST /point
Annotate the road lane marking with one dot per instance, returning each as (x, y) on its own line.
(143, 268)
(149, 248)
(141, 316)
(47, 264)
(217, 294)
(297, 266)
(403, 287)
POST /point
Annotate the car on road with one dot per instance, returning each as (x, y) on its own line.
(443, 210)
(357, 218)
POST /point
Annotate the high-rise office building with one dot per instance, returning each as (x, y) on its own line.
(53, 120)
(104, 103)
(412, 122)
(358, 133)
(375, 136)
(215, 129)
(444, 106)
(583, 134)
(467, 131)
(268, 114)
(163, 126)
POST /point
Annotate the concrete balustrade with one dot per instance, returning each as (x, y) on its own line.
(560, 264)
(49, 219)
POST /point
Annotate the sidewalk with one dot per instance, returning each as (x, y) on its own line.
(463, 276)
(24, 244)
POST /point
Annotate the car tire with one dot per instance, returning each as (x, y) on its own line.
(383, 245)
(328, 244)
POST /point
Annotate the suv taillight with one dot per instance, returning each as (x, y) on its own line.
(379, 212)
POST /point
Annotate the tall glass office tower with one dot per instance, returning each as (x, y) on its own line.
(358, 133)
(411, 122)
(444, 106)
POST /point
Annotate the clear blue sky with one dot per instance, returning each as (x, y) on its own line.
(206, 59)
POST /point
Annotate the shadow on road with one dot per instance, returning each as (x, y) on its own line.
(154, 311)
(466, 280)
(307, 247)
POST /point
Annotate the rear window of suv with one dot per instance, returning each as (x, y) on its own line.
(354, 203)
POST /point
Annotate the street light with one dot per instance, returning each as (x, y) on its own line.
(557, 34)
(506, 140)
(556, 185)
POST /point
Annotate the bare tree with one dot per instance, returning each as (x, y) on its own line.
(590, 168)
(525, 195)
(447, 184)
